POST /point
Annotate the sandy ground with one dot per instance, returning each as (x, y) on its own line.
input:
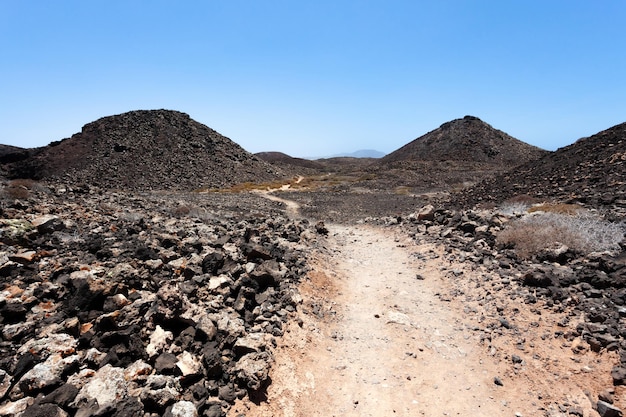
(384, 330)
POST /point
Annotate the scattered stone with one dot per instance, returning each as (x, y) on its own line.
(253, 369)
(182, 409)
(105, 388)
(44, 410)
(607, 410)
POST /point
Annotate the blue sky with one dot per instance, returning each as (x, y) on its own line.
(315, 78)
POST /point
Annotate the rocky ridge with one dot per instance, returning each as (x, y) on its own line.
(145, 150)
(142, 304)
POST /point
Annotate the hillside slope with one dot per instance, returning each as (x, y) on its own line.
(590, 171)
(146, 149)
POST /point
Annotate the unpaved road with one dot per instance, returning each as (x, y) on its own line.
(379, 336)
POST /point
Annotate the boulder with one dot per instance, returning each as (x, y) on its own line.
(253, 369)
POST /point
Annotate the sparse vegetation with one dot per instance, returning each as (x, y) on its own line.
(315, 182)
(517, 205)
(514, 208)
(525, 204)
(583, 232)
(402, 190)
(559, 208)
(20, 189)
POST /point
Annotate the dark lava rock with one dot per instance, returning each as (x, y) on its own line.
(607, 410)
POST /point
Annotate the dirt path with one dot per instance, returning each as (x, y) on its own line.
(378, 337)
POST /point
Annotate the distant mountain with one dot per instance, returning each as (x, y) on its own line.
(146, 149)
(591, 171)
(469, 140)
(362, 153)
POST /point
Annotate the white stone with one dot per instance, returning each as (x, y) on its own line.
(184, 409)
(107, 386)
(159, 340)
(188, 364)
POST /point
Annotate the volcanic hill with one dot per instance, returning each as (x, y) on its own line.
(467, 139)
(591, 171)
(144, 150)
(456, 155)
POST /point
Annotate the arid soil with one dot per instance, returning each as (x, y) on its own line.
(386, 330)
(356, 288)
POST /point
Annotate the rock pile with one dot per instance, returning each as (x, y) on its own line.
(142, 305)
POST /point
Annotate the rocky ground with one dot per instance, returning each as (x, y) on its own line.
(142, 304)
(392, 325)
(192, 304)
(590, 171)
(552, 324)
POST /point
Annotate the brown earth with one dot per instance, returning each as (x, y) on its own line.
(384, 332)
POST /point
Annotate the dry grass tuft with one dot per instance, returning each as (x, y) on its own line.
(522, 199)
(584, 233)
(20, 189)
(402, 190)
(559, 208)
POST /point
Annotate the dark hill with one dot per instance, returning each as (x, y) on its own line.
(458, 154)
(146, 149)
(10, 153)
(591, 171)
(469, 140)
(289, 163)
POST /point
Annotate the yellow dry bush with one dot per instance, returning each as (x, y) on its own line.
(560, 208)
(583, 233)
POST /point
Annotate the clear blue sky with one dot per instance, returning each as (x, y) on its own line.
(313, 78)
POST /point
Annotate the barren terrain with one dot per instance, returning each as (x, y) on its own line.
(385, 331)
(342, 287)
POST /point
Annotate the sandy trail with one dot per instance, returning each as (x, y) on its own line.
(375, 341)
(380, 335)
(395, 348)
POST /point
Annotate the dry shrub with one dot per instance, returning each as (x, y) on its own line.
(181, 211)
(23, 182)
(402, 190)
(19, 189)
(16, 193)
(560, 208)
(583, 233)
(523, 199)
(22, 188)
(517, 205)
